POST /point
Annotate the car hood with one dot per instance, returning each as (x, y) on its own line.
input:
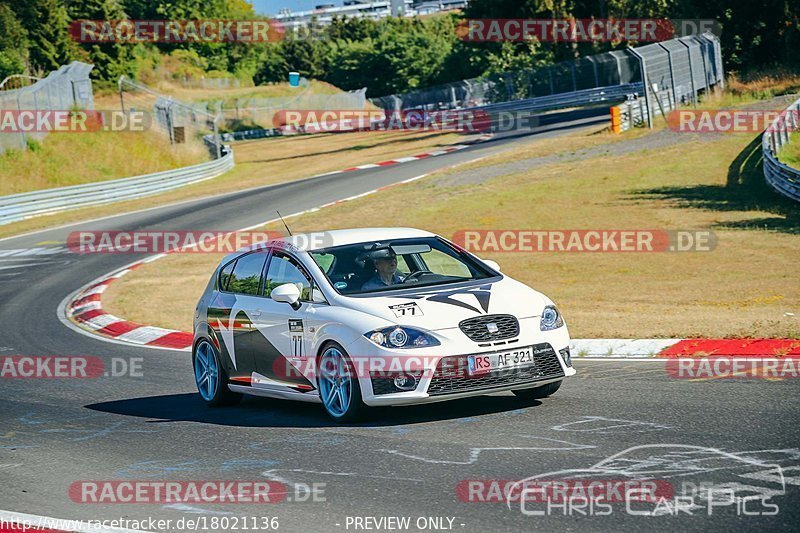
(444, 307)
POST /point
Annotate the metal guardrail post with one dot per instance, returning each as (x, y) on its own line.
(619, 68)
(705, 68)
(74, 94)
(691, 72)
(643, 70)
(785, 128)
(594, 68)
(671, 75)
(170, 129)
(121, 98)
(22, 143)
(216, 135)
(718, 53)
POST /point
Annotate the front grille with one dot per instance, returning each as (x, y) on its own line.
(477, 328)
(451, 373)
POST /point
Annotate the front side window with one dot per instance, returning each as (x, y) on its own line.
(284, 269)
(246, 276)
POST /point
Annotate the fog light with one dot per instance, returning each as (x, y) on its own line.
(566, 356)
(405, 382)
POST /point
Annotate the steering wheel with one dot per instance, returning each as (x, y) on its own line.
(416, 273)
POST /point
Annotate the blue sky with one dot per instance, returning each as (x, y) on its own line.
(270, 7)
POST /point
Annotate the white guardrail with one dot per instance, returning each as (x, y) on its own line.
(783, 178)
(48, 201)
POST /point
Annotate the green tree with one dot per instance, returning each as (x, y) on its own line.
(356, 65)
(306, 56)
(13, 43)
(271, 66)
(46, 23)
(110, 59)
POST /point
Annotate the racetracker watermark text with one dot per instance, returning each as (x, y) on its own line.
(162, 492)
(334, 121)
(732, 120)
(607, 241)
(143, 242)
(297, 367)
(176, 31)
(571, 30)
(562, 490)
(68, 367)
(72, 121)
(734, 367)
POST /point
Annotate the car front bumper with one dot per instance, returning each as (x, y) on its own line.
(441, 371)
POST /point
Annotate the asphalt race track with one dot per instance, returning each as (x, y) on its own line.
(617, 420)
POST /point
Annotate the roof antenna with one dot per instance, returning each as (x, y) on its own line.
(284, 223)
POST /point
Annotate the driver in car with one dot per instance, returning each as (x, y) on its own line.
(386, 272)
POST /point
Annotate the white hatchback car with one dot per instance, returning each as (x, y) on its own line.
(372, 317)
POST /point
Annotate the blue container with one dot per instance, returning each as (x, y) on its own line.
(294, 79)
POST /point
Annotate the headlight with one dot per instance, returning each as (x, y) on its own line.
(551, 319)
(400, 337)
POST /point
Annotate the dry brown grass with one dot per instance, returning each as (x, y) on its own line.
(745, 287)
(110, 99)
(63, 159)
(753, 87)
(765, 84)
(273, 90)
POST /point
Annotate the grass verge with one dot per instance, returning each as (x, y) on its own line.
(110, 99)
(64, 159)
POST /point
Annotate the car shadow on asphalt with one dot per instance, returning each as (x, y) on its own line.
(266, 412)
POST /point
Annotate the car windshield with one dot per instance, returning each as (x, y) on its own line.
(371, 267)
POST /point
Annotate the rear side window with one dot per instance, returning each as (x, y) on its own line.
(246, 277)
(225, 275)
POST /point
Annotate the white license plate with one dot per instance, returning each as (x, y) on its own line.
(481, 364)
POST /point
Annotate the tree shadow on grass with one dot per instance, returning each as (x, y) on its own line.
(745, 190)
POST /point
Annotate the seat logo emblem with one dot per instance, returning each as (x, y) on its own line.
(492, 327)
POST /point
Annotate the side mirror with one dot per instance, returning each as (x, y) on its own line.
(491, 264)
(287, 293)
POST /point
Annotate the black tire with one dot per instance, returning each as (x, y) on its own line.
(539, 392)
(221, 395)
(356, 409)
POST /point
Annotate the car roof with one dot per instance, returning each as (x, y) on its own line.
(339, 237)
